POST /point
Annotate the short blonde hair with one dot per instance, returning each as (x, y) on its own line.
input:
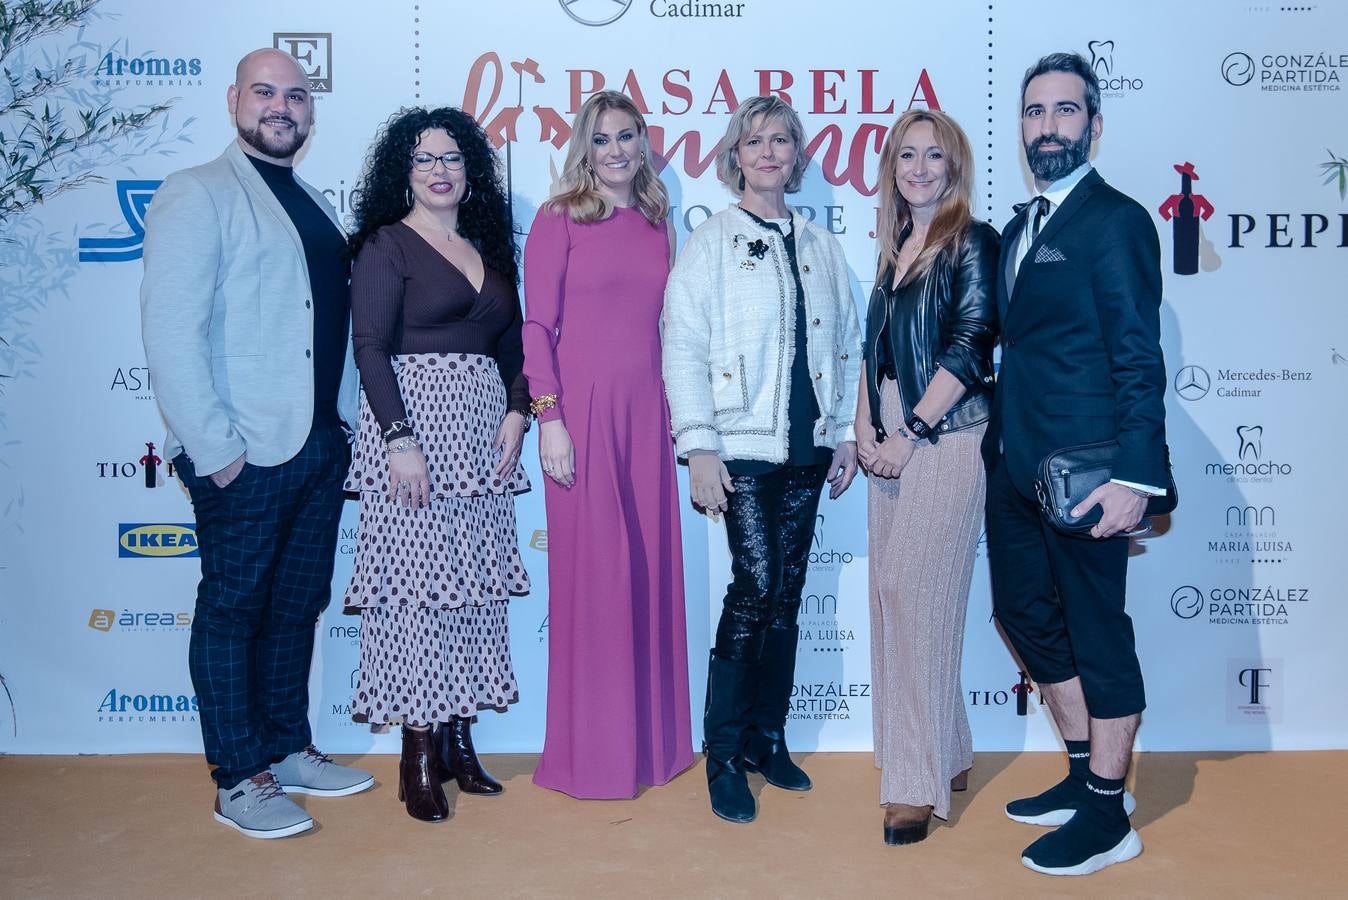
(579, 195)
(742, 123)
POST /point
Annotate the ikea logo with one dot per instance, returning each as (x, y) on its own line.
(139, 539)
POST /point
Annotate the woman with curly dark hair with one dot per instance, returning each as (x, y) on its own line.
(444, 406)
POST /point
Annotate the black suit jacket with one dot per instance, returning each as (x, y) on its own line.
(1081, 350)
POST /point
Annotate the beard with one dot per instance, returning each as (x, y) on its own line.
(1050, 165)
(282, 146)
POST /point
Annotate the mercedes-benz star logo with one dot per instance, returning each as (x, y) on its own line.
(1238, 68)
(1186, 602)
(1192, 383)
(595, 12)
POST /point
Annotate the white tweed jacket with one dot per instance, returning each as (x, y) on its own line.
(728, 334)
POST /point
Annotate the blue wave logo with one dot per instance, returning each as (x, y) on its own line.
(133, 196)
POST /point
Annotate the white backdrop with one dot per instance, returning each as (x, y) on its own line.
(1238, 604)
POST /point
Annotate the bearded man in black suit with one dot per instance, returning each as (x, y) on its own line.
(1079, 300)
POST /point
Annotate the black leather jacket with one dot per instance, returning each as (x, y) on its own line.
(946, 318)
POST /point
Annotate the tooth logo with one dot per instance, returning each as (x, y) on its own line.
(1251, 441)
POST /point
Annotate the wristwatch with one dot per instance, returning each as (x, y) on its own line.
(920, 429)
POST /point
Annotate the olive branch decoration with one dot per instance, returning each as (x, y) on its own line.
(55, 133)
(35, 140)
(1336, 170)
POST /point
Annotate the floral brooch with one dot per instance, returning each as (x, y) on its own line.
(758, 249)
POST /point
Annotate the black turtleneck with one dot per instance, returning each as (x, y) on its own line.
(329, 265)
(802, 408)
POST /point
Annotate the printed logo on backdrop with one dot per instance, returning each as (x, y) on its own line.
(133, 198)
(1193, 383)
(1113, 82)
(1002, 698)
(313, 51)
(825, 557)
(122, 69)
(1254, 691)
(829, 699)
(595, 13)
(139, 540)
(1285, 71)
(820, 630)
(133, 381)
(345, 635)
(119, 707)
(340, 712)
(1250, 535)
(148, 621)
(149, 468)
(544, 107)
(1246, 230)
(1251, 465)
(1184, 211)
(1266, 605)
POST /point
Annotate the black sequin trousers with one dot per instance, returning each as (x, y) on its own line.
(769, 523)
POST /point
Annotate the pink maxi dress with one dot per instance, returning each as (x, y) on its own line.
(618, 713)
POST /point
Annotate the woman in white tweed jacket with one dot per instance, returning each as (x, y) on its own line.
(762, 352)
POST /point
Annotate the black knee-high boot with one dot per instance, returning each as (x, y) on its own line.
(765, 743)
(730, 687)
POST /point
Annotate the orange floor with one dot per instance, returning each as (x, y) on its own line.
(1214, 825)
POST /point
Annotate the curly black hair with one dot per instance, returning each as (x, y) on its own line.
(381, 196)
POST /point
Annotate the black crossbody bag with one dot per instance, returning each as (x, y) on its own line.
(1067, 476)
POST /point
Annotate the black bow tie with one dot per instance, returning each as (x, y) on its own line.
(1041, 208)
(1040, 201)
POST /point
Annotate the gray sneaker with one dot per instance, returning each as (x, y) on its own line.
(308, 771)
(259, 808)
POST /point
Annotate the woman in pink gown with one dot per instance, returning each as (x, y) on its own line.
(595, 266)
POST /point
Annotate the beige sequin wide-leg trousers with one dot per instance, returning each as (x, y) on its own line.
(924, 529)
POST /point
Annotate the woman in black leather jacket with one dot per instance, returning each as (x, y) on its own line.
(921, 412)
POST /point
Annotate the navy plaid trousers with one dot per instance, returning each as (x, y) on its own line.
(267, 543)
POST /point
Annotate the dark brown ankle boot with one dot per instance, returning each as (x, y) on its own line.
(458, 759)
(418, 781)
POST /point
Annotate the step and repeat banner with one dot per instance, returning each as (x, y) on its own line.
(1225, 120)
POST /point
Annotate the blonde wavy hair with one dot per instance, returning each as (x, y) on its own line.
(578, 194)
(757, 110)
(953, 215)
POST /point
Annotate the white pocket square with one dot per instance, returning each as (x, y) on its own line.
(1049, 254)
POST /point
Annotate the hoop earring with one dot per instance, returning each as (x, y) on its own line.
(467, 192)
(409, 196)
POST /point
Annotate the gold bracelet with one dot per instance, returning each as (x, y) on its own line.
(541, 403)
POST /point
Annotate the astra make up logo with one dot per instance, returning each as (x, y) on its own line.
(133, 198)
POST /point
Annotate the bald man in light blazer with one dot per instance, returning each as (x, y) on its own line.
(245, 315)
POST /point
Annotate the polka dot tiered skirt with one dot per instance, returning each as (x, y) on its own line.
(432, 584)
(421, 665)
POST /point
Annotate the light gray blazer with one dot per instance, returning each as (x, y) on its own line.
(227, 318)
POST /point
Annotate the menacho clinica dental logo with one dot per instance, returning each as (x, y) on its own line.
(140, 540)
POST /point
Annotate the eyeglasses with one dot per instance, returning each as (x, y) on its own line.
(424, 162)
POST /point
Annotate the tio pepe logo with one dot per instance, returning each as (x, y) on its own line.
(595, 13)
